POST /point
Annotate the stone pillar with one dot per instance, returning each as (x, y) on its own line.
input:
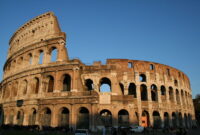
(75, 79)
(26, 119)
(149, 93)
(115, 118)
(139, 104)
(159, 94)
(62, 54)
(54, 117)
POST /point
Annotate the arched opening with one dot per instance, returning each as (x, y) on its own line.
(142, 78)
(151, 67)
(123, 118)
(83, 118)
(32, 117)
(145, 119)
(132, 90)
(176, 83)
(154, 94)
(174, 120)
(189, 121)
(50, 83)
(36, 85)
(122, 88)
(46, 117)
(64, 118)
(20, 117)
(186, 120)
(30, 58)
(15, 89)
(163, 93)
(156, 120)
(54, 54)
(66, 83)
(106, 118)
(24, 87)
(11, 117)
(41, 57)
(177, 97)
(143, 90)
(171, 94)
(89, 84)
(166, 120)
(180, 119)
(105, 85)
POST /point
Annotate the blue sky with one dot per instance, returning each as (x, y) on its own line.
(163, 31)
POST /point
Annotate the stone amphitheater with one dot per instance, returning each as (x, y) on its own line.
(39, 89)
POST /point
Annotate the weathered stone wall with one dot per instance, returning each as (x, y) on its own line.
(37, 90)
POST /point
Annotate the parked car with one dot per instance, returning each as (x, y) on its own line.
(81, 132)
(137, 129)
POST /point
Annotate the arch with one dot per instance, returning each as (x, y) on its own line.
(175, 83)
(142, 78)
(180, 119)
(41, 55)
(143, 90)
(177, 97)
(105, 85)
(174, 120)
(154, 93)
(186, 120)
(132, 90)
(151, 66)
(122, 88)
(24, 86)
(32, 117)
(145, 119)
(171, 94)
(36, 85)
(123, 118)
(166, 120)
(54, 54)
(89, 84)
(30, 58)
(46, 117)
(156, 119)
(11, 117)
(66, 82)
(163, 90)
(106, 118)
(83, 118)
(15, 89)
(20, 117)
(50, 83)
(64, 117)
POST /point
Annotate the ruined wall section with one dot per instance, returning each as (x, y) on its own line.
(40, 35)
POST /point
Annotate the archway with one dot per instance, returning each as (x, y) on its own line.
(89, 84)
(20, 117)
(156, 120)
(174, 120)
(143, 90)
(46, 117)
(83, 118)
(180, 119)
(123, 118)
(166, 120)
(106, 118)
(64, 118)
(145, 119)
(154, 94)
(32, 117)
(132, 90)
(105, 85)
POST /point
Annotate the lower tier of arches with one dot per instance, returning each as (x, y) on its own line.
(93, 116)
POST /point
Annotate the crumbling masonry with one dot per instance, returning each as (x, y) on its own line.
(38, 89)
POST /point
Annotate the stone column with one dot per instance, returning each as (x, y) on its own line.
(62, 54)
(139, 104)
(159, 94)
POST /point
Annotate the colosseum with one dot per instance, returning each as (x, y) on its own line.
(39, 89)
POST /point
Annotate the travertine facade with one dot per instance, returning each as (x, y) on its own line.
(38, 89)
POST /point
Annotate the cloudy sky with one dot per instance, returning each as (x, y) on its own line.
(163, 31)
